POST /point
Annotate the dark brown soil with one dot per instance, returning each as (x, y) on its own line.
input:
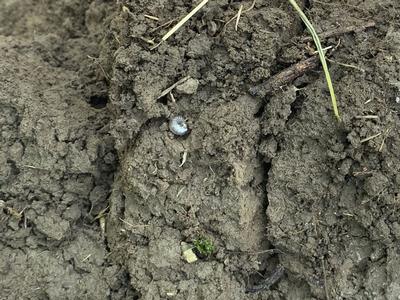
(98, 198)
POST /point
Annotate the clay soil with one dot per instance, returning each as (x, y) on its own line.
(98, 198)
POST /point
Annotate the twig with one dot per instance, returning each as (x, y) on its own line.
(87, 257)
(368, 101)
(321, 53)
(167, 90)
(152, 17)
(179, 192)
(363, 172)
(151, 42)
(238, 17)
(34, 168)
(325, 280)
(184, 157)
(384, 139)
(212, 171)
(346, 65)
(269, 251)
(155, 169)
(163, 25)
(268, 282)
(285, 77)
(101, 213)
(367, 117)
(127, 10)
(237, 14)
(294, 71)
(181, 22)
(96, 60)
(172, 97)
(370, 137)
(131, 225)
(341, 31)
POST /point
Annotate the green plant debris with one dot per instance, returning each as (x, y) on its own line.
(204, 246)
(321, 55)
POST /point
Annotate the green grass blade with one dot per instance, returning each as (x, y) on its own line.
(321, 55)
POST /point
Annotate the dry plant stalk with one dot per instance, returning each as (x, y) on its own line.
(181, 22)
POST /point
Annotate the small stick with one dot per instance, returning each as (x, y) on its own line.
(244, 11)
(269, 251)
(325, 280)
(152, 18)
(180, 192)
(367, 117)
(131, 225)
(364, 171)
(348, 214)
(96, 60)
(151, 42)
(251, 6)
(346, 65)
(323, 49)
(368, 101)
(167, 90)
(102, 223)
(230, 20)
(127, 10)
(212, 171)
(163, 25)
(269, 281)
(370, 137)
(101, 213)
(34, 168)
(384, 139)
(238, 17)
(285, 77)
(356, 174)
(184, 157)
(172, 97)
(87, 257)
(341, 31)
(181, 22)
(155, 169)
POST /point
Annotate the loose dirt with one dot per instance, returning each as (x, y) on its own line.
(98, 198)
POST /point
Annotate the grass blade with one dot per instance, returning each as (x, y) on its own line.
(321, 55)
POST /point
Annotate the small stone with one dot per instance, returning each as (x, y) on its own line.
(190, 256)
(188, 253)
(189, 87)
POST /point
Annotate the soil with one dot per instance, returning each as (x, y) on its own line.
(99, 198)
